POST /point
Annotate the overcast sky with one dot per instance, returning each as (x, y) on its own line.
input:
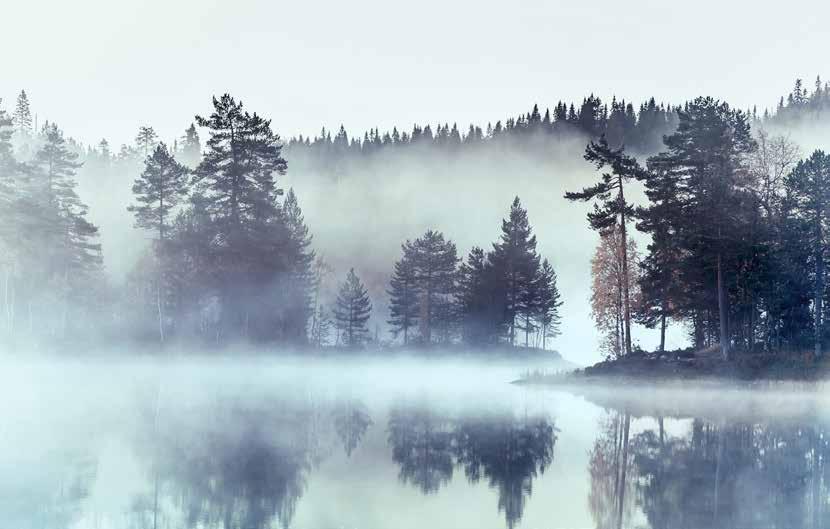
(101, 68)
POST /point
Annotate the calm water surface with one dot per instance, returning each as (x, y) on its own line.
(397, 444)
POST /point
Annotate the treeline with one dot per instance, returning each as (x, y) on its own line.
(738, 234)
(640, 128)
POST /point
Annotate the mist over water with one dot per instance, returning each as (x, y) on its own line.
(374, 443)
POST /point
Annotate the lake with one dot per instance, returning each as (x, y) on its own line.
(397, 443)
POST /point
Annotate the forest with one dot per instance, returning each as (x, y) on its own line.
(730, 214)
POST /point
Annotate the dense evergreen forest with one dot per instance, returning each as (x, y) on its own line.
(734, 217)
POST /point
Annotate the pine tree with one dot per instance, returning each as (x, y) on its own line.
(256, 248)
(58, 223)
(403, 295)
(146, 140)
(615, 210)
(238, 168)
(809, 187)
(706, 158)
(435, 264)
(22, 116)
(159, 190)
(352, 311)
(299, 281)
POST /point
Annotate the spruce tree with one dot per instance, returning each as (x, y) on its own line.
(190, 146)
(403, 295)
(298, 282)
(516, 266)
(22, 116)
(548, 304)
(352, 311)
(481, 300)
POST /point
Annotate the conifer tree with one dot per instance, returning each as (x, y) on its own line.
(516, 265)
(146, 140)
(158, 191)
(299, 280)
(706, 158)
(254, 249)
(352, 311)
(435, 265)
(237, 171)
(548, 304)
(190, 146)
(403, 295)
(22, 116)
(481, 300)
(58, 223)
(809, 187)
(615, 210)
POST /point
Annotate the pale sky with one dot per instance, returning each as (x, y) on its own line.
(101, 68)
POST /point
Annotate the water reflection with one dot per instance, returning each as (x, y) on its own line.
(719, 472)
(301, 456)
(505, 450)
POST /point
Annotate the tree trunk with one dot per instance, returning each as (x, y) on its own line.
(624, 462)
(722, 311)
(819, 298)
(160, 314)
(663, 332)
(626, 301)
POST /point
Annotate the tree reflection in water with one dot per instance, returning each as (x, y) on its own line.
(719, 473)
(506, 450)
(236, 466)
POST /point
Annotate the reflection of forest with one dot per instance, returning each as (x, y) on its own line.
(239, 466)
(718, 475)
(506, 450)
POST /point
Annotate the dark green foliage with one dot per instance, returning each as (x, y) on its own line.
(403, 295)
(516, 264)
(481, 301)
(808, 189)
(158, 191)
(423, 289)
(712, 214)
(508, 288)
(352, 311)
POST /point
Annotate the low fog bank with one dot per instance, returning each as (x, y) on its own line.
(715, 400)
